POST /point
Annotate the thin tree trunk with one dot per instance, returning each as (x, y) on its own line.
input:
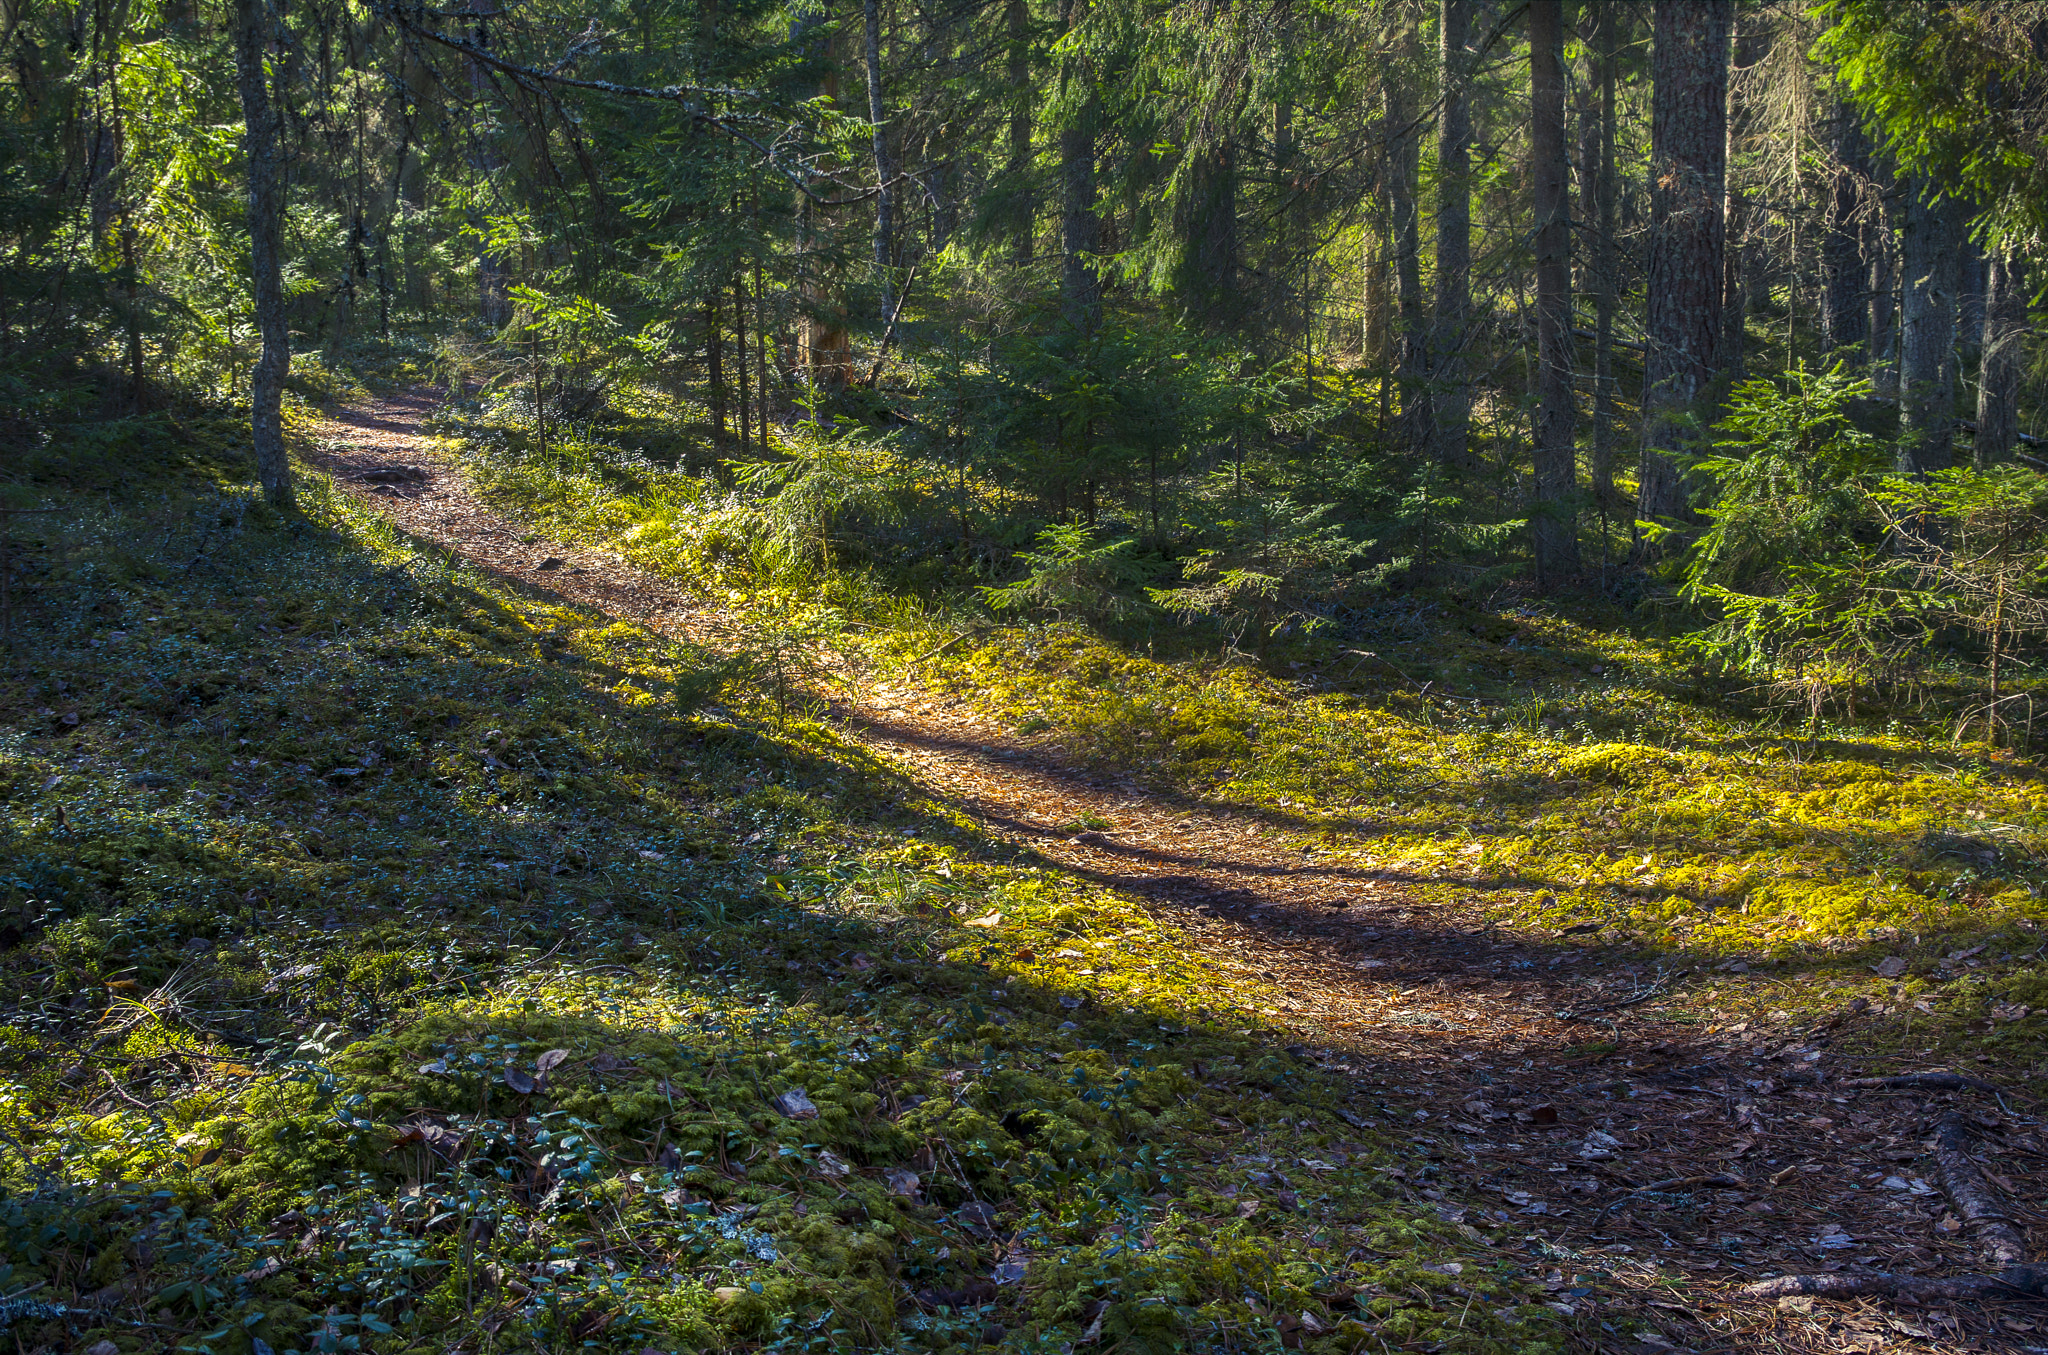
(1998, 377)
(1931, 268)
(1846, 315)
(1080, 227)
(1450, 394)
(739, 335)
(493, 273)
(1879, 247)
(253, 24)
(1556, 459)
(1412, 327)
(885, 168)
(1605, 273)
(1688, 143)
(761, 345)
(1019, 19)
(1728, 351)
(714, 355)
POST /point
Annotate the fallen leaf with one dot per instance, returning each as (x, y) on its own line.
(1890, 967)
(903, 1183)
(985, 920)
(517, 1079)
(548, 1062)
(1009, 1272)
(832, 1165)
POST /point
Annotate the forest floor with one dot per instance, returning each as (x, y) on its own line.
(1644, 1136)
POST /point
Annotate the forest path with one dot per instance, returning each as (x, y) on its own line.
(1539, 1078)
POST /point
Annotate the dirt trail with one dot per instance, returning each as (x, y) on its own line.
(1540, 1079)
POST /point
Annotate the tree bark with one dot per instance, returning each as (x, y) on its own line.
(1080, 227)
(1998, 376)
(1450, 394)
(266, 264)
(1554, 524)
(1688, 146)
(1879, 248)
(1931, 270)
(493, 273)
(1845, 314)
(1019, 19)
(1412, 325)
(885, 168)
(1606, 270)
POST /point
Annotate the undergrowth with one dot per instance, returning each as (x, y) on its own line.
(397, 962)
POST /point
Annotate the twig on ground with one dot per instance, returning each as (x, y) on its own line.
(1935, 1081)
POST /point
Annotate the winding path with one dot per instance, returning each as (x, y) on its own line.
(1450, 1026)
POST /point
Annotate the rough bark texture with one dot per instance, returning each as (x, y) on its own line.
(1411, 328)
(1845, 312)
(1080, 227)
(1450, 390)
(1981, 1211)
(1930, 269)
(1729, 349)
(885, 168)
(1998, 376)
(1688, 145)
(266, 228)
(1554, 530)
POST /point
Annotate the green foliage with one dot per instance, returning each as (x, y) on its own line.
(1074, 570)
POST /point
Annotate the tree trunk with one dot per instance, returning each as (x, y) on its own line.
(1019, 18)
(1600, 178)
(885, 169)
(493, 273)
(1080, 228)
(1998, 377)
(1931, 268)
(714, 358)
(739, 343)
(1688, 143)
(1412, 327)
(1729, 349)
(1879, 248)
(1450, 395)
(1208, 230)
(1845, 315)
(266, 266)
(1556, 459)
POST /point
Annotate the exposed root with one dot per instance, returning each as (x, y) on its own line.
(1975, 1203)
(1723, 1180)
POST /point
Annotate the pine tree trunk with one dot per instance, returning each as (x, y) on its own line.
(1931, 268)
(1019, 19)
(1605, 271)
(1688, 143)
(1845, 316)
(885, 168)
(253, 24)
(1450, 393)
(1412, 327)
(493, 273)
(1879, 248)
(1729, 349)
(1080, 227)
(1998, 378)
(1554, 523)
